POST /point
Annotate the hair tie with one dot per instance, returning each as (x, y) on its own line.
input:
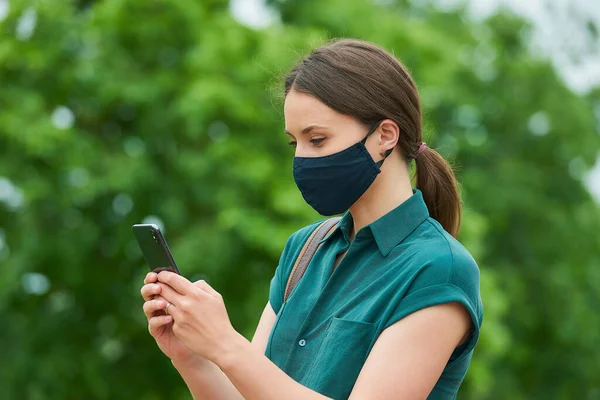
(418, 152)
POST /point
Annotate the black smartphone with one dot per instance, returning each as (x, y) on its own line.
(154, 248)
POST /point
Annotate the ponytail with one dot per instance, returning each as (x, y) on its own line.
(436, 180)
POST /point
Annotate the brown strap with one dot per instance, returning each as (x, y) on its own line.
(308, 251)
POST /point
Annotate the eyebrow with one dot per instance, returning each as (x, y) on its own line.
(307, 129)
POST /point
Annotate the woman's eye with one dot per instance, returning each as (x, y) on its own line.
(315, 142)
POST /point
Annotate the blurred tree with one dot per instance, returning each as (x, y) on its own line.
(119, 112)
(112, 115)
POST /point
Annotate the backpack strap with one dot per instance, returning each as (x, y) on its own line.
(308, 251)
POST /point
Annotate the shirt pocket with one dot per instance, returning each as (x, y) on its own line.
(340, 357)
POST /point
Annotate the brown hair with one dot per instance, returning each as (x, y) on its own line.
(363, 80)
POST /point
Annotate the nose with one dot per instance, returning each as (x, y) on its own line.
(305, 150)
(300, 150)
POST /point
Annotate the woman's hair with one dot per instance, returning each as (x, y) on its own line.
(363, 80)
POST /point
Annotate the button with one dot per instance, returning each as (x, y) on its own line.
(302, 342)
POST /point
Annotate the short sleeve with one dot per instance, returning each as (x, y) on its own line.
(276, 289)
(454, 278)
(286, 261)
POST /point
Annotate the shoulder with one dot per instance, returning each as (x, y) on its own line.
(443, 265)
(294, 244)
(443, 254)
(288, 256)
(434, 268)
(297, 239)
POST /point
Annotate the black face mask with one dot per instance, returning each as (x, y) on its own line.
(331, 184)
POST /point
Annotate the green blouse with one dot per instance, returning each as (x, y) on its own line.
(398, 264)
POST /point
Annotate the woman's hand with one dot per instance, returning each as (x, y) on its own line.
(160, 324)
(200, 319)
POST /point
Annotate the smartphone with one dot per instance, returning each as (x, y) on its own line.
(154, 248)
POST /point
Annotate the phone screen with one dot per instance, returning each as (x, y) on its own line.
(154, 248)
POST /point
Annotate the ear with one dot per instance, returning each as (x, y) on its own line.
(389, 135)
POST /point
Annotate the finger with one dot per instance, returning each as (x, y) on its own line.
(156, 322)
(172, 310)
(151, 277)
(202, 284)
(152, 306)
(169, 294)
(150, 290)
(177, 282)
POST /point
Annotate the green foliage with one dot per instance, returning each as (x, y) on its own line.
(119, 111)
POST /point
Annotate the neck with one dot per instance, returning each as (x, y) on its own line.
(390, 189)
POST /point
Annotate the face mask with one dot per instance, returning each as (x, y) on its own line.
(331, 184)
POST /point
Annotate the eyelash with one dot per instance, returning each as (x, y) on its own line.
(314, 141)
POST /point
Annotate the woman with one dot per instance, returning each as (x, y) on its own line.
(389, 307)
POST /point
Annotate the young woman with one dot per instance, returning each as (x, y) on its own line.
(389, 307)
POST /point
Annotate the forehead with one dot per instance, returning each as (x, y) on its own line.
(301, 109)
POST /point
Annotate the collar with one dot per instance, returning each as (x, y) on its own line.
(390, 229)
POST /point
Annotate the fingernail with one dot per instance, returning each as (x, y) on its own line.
(155, 288)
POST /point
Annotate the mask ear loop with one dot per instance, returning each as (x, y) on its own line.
(387, 152)
(373, 129)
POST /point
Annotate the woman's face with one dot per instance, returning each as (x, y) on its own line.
(317, 130)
